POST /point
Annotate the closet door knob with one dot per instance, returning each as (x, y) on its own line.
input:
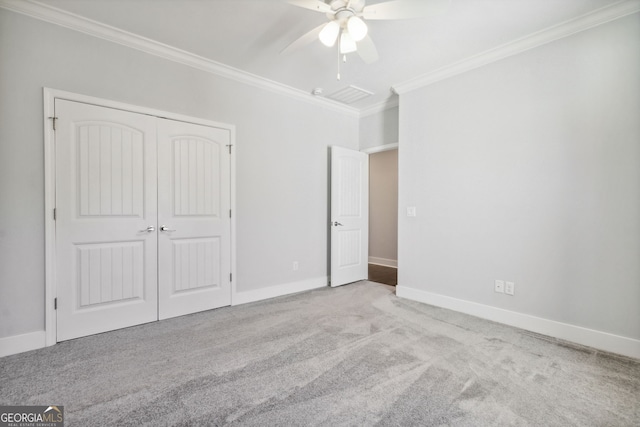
(164, 228)
(149, 229)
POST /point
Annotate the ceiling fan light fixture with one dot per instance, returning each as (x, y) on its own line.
(329, 33)
(347, 44)
(357, 28)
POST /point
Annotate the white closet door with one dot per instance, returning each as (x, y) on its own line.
(194, 250)
(106, 264)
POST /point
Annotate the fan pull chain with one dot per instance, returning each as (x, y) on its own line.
(338, 76)
(343, 59)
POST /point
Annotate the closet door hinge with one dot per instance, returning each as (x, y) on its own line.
(231, 277)
(229, 145)
(53, 122)
(229, 213)
(55, 303)
(54, 214)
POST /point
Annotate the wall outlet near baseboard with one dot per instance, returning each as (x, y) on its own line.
(499, 286)
(509, 288)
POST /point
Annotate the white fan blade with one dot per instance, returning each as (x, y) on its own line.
(404, 9)
(303, 40)
(367, 50)
(316, 5)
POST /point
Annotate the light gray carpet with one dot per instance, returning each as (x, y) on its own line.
(354, 355)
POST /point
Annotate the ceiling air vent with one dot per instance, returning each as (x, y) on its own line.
(350, 94)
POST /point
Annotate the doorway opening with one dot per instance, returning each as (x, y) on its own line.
(383, 215)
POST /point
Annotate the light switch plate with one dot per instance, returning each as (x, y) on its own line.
(411, 211)
(499, 286)
(509, 288)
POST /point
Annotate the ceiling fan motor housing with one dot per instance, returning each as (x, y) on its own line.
(343, 10)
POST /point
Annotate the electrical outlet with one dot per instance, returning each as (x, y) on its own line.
(509, 288)
(499, 286)
(411, 211)
(295, 265)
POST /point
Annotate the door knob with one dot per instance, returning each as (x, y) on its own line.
(149, 229)
(164, 228)
(336, 223)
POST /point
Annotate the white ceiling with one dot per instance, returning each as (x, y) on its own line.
(249, 35)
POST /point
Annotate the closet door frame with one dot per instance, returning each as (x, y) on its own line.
(49, 97)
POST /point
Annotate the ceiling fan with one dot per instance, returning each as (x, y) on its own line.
(347, 22)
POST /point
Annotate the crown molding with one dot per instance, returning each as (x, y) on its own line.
(93, 28)
(556, 32)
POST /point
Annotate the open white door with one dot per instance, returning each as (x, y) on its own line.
(194, 242)
(106, 262)
(349, 216)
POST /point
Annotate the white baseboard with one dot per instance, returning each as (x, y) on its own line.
(600, 340)
(383, 261)
(279, 290)
(21, 343)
